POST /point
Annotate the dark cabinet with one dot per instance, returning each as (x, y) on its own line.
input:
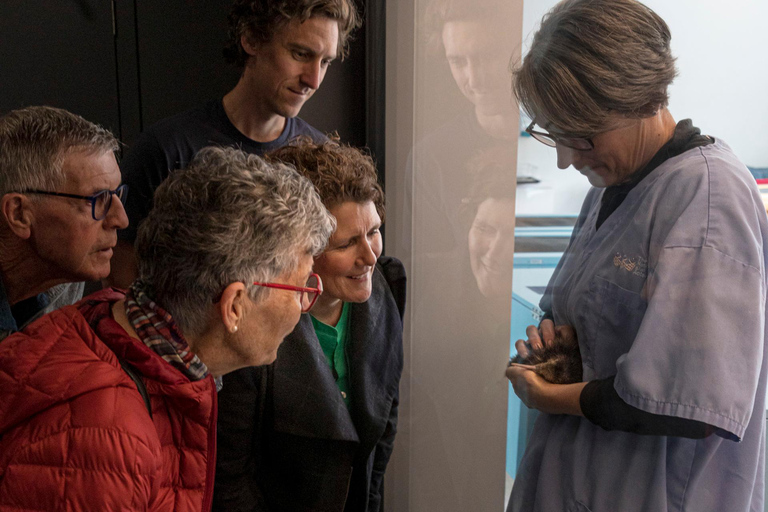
(126, 64)
(180, 60)
(60, 53)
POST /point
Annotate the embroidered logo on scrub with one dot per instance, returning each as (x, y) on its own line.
(637, 265)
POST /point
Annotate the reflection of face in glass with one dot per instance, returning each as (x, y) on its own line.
(479, 62)
(491, 246)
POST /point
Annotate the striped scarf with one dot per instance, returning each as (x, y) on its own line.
(157, 329)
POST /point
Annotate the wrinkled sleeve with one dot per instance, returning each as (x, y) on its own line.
(602, 405)
(698, 351)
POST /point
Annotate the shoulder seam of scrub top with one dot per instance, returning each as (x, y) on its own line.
(715, 249)
(709, 206)
(705, 243)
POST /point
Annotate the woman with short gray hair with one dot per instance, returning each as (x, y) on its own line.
(221, 223)
(663, 284)
(119, 391)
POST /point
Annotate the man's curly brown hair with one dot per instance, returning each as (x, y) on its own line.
(339, 172)
(260, 20)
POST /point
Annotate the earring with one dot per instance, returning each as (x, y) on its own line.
(234, 329)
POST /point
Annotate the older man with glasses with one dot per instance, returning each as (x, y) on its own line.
(58, 218)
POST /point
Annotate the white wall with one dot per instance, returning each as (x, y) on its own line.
(721, 56)
(722, 83)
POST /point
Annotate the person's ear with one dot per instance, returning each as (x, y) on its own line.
(232, 306)
(250, 46)
(17, 213)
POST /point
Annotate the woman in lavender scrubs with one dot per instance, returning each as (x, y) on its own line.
(664, 283)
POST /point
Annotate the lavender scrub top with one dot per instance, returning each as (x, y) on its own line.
(669, 295)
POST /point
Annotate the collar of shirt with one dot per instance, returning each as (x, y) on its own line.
(686, 137)
(333, 343)
(17, 316)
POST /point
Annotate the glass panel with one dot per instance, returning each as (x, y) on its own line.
(459, 188)
(454, 153)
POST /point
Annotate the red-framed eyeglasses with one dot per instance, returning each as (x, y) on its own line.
(309, 293)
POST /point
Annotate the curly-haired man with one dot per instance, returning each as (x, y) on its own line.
(283, 49)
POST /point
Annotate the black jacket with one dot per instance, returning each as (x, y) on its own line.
(287, 441)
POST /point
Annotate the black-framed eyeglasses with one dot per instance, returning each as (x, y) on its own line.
(577, 143)
(309, 293)
(101, 202)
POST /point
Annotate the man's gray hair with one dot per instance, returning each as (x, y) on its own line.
(592, 58)
(229, 217)
(34, 142)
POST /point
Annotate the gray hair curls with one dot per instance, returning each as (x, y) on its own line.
(34, 142)
(591, 58)
(228, 217)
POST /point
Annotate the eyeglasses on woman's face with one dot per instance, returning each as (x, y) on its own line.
(100, 202)
(309, 293)
(546, 138)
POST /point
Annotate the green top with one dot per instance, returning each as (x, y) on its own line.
(333, 341)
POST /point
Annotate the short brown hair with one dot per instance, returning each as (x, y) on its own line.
(339, 172)
(591, 58)
(260, 19)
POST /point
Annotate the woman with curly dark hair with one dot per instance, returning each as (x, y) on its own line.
(314, 431)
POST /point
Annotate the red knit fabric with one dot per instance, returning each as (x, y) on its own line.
(75, 433)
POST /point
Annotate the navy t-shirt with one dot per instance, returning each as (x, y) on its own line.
(173, 142)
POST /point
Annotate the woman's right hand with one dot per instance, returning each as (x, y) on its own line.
(538, 337)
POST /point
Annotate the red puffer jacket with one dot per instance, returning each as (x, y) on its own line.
(75, 433)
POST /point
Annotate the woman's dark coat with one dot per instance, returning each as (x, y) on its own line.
(287, 441)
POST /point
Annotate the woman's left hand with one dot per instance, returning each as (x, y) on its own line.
(527, 384)
(537, 393)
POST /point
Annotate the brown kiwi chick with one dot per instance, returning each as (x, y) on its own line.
(559, 363)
